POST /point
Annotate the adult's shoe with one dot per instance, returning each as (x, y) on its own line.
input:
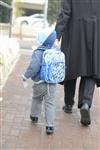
(85, 115)
(67, 108)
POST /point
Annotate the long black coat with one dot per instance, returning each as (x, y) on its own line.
(79, 26)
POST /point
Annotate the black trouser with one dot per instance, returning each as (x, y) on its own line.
(86, 90)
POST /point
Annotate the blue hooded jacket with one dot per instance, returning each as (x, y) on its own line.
(33, 70)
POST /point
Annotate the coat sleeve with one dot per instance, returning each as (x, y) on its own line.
(63, 17)
(34, 65)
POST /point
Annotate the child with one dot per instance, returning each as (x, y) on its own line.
(45, 41)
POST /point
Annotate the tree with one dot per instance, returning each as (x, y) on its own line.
(7, 1)
(53, 10)
(5, 12)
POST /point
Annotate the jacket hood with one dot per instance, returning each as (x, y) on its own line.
(46, 36)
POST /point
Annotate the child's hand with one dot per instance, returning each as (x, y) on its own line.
(24, 78)
(56, 43)
(25, 83)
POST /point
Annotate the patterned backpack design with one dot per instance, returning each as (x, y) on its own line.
(53, 66)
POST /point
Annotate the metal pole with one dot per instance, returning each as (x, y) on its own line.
(10, 27)
(45, 12)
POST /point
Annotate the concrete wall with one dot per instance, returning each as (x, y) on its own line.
(27, 4)
(9, 54)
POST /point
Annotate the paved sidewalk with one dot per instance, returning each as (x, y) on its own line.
(18, 133)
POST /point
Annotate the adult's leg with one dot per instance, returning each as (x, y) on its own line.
(86, 90)
(69, 93)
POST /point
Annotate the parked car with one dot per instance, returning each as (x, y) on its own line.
(29, 26)
(31, 20)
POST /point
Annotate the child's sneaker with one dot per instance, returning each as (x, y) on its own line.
(49, 130)
(34, 119)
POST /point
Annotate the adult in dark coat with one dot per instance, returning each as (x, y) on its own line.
(78, 25)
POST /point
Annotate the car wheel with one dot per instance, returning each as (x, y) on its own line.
(24, 23)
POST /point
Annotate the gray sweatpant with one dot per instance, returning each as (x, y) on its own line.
(47, 93)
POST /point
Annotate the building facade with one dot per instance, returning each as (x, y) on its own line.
(28, 6)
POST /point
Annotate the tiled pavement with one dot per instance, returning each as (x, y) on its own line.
(18, 133)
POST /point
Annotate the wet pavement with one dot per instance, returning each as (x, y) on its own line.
(18, 132)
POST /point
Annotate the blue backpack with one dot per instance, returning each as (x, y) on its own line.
(53, 66)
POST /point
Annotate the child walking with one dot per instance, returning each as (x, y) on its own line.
(45, 39)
